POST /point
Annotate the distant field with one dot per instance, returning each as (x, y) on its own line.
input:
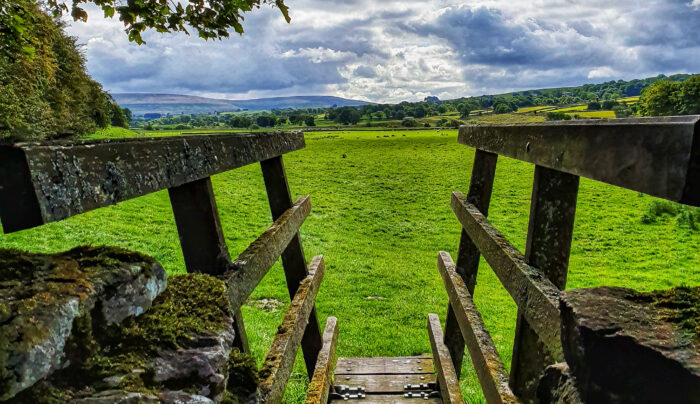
(574, 108)
(380, 215)
(506, 118)
(594, 114)
(629, 100)
(538, 108)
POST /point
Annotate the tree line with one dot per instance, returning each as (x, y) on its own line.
(45, 91)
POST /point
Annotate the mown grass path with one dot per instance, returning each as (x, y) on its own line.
(379, 217)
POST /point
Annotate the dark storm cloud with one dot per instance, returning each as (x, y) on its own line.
(486, 36)
(670, 24)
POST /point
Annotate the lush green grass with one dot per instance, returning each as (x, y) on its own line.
(113, 132)
(380, 216)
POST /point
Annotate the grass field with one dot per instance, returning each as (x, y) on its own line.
(594, 114)
(506, 118)
(538, 108)
(574, 108)
(629, 100)
(379, 216)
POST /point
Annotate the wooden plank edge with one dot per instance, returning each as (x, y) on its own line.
(321, 382)
(655, 155)
(278, 364)
(448, 379)
(489, 367)
(535, 295)
(65, 179)
(250, 267)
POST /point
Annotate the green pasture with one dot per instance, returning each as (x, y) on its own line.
(524, 110)
(380, 214)
(594, 114)
(570, 109)
(629, 100)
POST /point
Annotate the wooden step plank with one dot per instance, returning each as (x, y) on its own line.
(391, 399)
(384, 365)
(384, 383)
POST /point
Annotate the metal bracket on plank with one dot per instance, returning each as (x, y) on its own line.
(425, 391)
(345, 392)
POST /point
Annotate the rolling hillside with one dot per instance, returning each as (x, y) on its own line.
(142, 103)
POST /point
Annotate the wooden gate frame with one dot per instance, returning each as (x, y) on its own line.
(47, 182)
(656, 156)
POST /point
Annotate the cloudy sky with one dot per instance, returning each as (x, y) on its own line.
(390, 51)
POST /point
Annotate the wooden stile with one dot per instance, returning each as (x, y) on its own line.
(480, 188)
(293, 259)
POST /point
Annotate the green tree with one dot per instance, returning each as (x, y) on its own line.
(464, 110)
(689, 97)
(622, 111)
(309, 120)
(609, 104)
(409, 122)
(117, 117)
(347, 115)
(594, 106)
(129, 115)
(660, 99)
(558, 116)
(501, 108)
(45, 92)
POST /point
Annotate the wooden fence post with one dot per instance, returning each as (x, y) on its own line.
(550, 230)
(293, 259)
(479, 194)
(201, 238)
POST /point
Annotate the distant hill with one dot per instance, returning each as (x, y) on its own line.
(143, 103)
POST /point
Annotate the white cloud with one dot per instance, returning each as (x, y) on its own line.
(604, 72)
(393, 50)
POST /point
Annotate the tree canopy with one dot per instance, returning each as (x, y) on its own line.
(45, 91)
(211, 19)
(671, 98)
